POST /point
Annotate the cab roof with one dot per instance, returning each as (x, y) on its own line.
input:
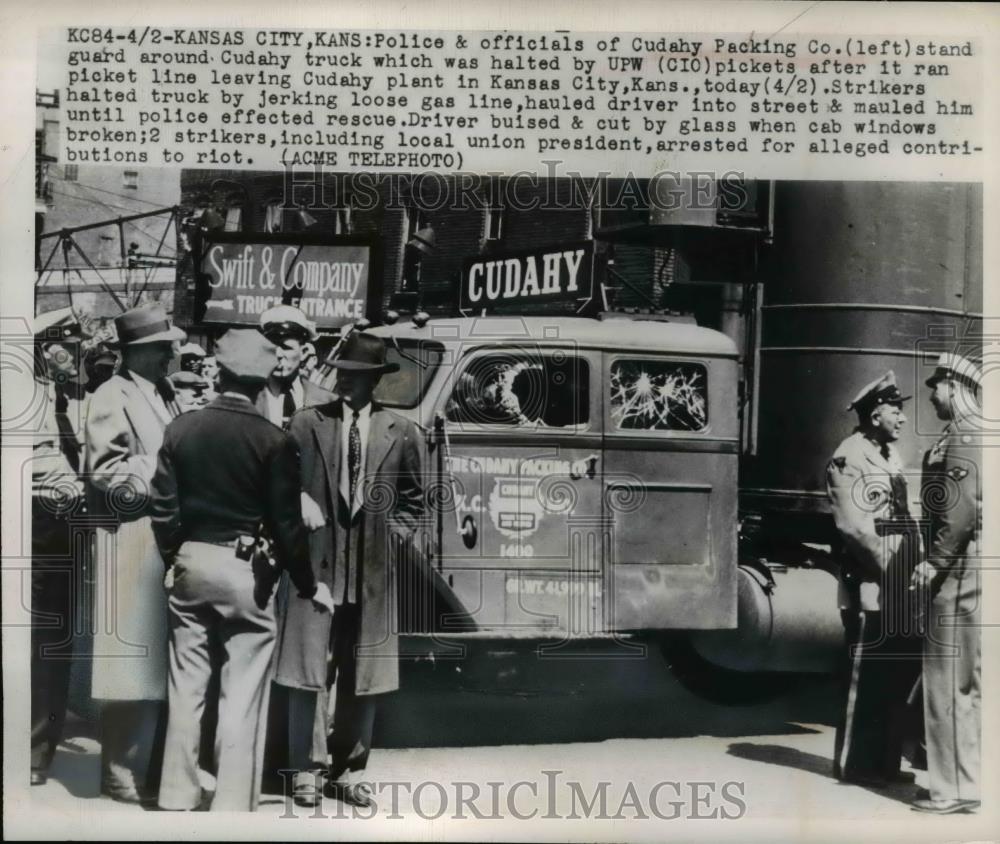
(611, 333)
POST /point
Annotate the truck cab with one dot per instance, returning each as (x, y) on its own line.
(581, 474)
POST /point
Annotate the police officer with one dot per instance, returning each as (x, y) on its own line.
(57, 497)
(190, 389)
(951, 493)
(223, 473)
(879, 549)
(287, 389)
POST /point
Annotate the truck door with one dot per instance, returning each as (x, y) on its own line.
(670, 475)
(522, 548)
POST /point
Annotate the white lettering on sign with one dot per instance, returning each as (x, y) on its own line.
(553, 586)
(513, 278)
(327, 281)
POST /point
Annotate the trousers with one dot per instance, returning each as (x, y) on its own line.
(211, 600)
(54, 579)
(346, 734)
(951, 664)
(878, 671)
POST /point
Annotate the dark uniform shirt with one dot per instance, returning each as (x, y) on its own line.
(222, 472)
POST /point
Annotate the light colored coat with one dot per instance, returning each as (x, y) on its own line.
(860, 486)
(124, 432)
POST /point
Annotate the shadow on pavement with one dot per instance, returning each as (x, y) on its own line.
(789, 757)
(533, 701)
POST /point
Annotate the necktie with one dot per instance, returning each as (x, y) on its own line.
(287, 405)
(67, 437)
(354, 455)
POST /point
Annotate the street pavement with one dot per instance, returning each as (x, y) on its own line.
(602, 736)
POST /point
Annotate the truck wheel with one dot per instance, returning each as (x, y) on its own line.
(722, 685)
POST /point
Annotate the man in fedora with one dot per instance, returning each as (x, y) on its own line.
(224, 475)
(362, 497)
(878, 550)
(287, 389)
(124, 430)
(950, 585)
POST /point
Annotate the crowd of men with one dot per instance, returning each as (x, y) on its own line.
(236, 540)
(910, 593)
(265, 507)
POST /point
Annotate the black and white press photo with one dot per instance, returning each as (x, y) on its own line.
(495, 433)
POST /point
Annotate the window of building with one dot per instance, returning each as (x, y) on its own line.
(130, 179)
(273, 217)
(653, 395)
(521, 389)
(495, 222)
(416, 220)
(234, 220)
(71, 172)
(342, 220)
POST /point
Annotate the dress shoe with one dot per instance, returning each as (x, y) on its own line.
(944, 807)
(923, 794)
(126, 791)
(307, 788)
(39, 777)
(356, 794)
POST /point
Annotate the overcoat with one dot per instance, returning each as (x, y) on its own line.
(124, 431)
(392, 506)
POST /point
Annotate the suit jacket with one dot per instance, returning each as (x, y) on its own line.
(868, 499)
(393, 504)
(123, 434)
(312, 395)
(221, 473)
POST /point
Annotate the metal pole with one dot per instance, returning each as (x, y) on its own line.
(107, 287)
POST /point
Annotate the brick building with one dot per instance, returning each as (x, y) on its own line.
(426, 228)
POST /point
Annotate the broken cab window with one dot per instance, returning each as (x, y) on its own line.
(650, 395)
(550, 391)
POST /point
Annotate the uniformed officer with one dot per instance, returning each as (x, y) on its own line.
(192, 358)
(879, 549)
(223, 474)
(56, 498)
(287, 389)
(951, 495)
(189, 388)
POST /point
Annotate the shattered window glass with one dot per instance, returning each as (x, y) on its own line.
(522, 390)
(649, 395)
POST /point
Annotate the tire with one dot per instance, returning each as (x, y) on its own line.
(722, 685)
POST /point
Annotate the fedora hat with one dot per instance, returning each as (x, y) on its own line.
(147, 324)
(363, 352)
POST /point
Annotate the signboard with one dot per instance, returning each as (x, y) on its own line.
(243, 278)
(521, 282)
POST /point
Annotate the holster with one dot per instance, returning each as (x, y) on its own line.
(257, 551)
